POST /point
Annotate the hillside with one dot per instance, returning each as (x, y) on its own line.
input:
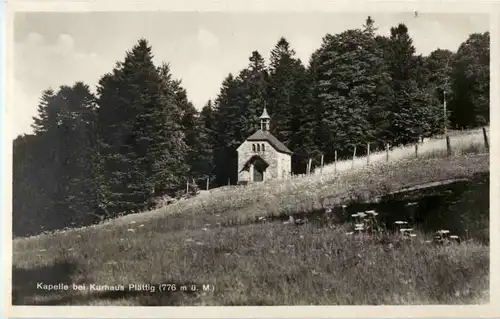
(214, 239)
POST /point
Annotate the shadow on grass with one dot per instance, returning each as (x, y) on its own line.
(25, 281)
(25, 291)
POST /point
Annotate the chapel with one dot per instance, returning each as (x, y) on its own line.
(262, 156)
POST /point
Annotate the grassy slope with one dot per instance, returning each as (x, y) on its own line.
(207, 240)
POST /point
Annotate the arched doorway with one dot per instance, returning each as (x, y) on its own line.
(259, 169)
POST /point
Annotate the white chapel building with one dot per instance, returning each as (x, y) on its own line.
(262, 156)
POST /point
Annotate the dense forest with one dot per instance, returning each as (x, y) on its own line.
(139, 138)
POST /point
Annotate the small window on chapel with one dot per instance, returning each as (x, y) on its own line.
(258, 147)
(253, 147)
(263, 148)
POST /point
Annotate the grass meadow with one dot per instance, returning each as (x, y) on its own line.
(226, 238)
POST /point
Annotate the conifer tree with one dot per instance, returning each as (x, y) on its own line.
(140, 132)
(470, 82)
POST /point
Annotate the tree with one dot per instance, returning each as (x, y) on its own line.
(287, 93)
(350, 74)
(142, 144)
(469, 104)
(252, 95)
(411, 106)
(206, 137)
(227, 129)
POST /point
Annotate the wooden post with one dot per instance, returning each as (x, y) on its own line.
(387, 152)
(353, 156)
(309, 166)
(229, 182)
(368, 153)
(187, 187)
(485, 135)
(448, 146)
(416, 150)
(322, 158)
(335, 163)
(208, 182)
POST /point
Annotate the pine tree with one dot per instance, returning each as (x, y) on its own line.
(47, 114)
(80, 166)
(140, 133)
(287, 93)
(252, 95)
(350, 73)
(470, 81)
(206, 137)
(411, 106)
(228, 129)
(171, 169)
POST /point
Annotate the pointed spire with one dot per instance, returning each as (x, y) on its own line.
(265, 120)
(264, 114)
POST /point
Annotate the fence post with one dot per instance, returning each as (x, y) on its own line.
(485, 135)
(229, 181)
(335, 163)
(368, 153)
(416, 150)
(309, 166)
(448, 146)
(187, 187)
(208, 182)
(387, 152)
(353, 156)
(322, 157)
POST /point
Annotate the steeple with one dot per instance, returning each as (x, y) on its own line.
(265, 120)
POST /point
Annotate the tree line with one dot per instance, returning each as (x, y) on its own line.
(97, 156)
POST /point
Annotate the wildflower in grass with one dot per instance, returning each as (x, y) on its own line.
(132, 222)
(189, 240)
(199, 243)
(411, 204)
(204, 228)
(354, 215)
(131, 230)
(358, 225)
(413, 235)
(349, 233)
(141, 225)
(454, 237)
(399, 222)
(361, 215)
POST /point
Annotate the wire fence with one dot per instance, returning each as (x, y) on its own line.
(454, 143)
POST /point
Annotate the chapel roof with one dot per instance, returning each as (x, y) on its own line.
(262, 135)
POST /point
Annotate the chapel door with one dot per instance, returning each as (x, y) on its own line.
(258, 172)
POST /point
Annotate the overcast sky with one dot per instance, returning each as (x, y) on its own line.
(53, 49)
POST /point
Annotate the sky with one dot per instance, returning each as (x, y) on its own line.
(59, 48)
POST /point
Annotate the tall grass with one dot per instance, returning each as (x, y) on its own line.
(266, 264)
(462, 142)
(222, 238)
